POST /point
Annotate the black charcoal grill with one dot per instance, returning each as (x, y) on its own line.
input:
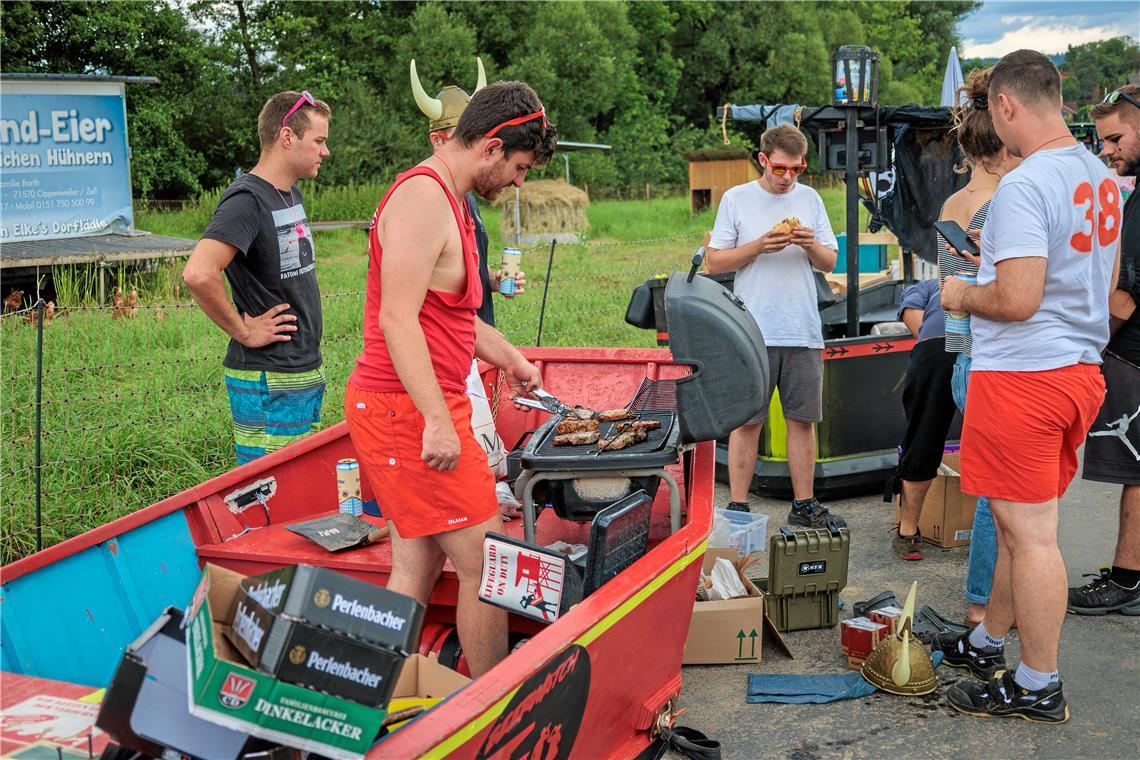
(711, 330)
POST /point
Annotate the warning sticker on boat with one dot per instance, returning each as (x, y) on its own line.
(521, 579)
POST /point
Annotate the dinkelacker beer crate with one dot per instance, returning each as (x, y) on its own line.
(806, 571)
(226, 691)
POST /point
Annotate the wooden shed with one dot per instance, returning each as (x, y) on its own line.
(711, 172)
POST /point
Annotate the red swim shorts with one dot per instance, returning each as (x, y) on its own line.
(387, 432)
(1022, 430)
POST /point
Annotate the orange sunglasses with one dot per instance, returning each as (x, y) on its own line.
(780, 170)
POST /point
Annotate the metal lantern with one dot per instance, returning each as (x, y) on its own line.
(855, 76)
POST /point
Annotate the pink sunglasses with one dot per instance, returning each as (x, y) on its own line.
(305, 98)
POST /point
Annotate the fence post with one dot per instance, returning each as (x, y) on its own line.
(545, 288)
(39, 426)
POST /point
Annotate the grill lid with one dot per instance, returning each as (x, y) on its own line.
(711, 329)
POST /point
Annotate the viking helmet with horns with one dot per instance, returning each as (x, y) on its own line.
(445, 109)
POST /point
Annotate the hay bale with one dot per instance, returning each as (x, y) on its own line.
(547, 208)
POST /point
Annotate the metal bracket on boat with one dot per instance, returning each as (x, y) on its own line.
(258, 492)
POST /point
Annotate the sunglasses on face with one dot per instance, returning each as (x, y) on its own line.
(520, 120)
(1116, 95)
(305, 98)
(780, 170)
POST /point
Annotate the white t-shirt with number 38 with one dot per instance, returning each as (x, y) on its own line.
(1063, 205)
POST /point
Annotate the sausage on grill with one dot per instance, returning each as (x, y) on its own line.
(572, 425)
(580, 438)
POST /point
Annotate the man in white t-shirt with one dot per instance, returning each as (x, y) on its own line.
(1039, 322)
(774, 278)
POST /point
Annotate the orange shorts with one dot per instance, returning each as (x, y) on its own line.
(387, 432)
(1022, 430)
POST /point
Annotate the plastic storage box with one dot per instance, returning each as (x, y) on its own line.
(749, 531)
(806, 571)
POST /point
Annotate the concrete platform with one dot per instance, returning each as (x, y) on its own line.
(1100, 661)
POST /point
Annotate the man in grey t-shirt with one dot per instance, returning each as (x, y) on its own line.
(771, 232)
(260, 239)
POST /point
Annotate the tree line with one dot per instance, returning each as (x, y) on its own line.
(644, 77)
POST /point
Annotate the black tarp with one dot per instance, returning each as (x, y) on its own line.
(925, 154)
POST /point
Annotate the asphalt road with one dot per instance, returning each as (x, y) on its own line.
(1100, 661)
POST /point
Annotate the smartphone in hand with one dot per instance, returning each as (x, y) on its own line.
(956, 236)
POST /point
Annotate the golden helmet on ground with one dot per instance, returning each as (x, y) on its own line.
(445, 108)
(900, 664)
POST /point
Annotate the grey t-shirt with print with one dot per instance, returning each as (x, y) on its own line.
(275, 264)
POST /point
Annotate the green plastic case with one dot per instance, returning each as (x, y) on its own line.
(806, 571)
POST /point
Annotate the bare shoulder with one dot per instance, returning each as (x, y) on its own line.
(962, 205)
(417, 193)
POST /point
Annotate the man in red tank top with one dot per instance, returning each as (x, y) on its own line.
(406, 406)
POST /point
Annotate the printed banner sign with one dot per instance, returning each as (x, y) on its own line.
(64, 160)
(521, 579)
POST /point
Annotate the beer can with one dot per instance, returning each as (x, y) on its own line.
(348, 487)
(509, 270)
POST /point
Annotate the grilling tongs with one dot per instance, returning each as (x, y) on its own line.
(544, 402)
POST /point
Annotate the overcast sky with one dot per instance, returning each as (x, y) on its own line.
(1002, 26)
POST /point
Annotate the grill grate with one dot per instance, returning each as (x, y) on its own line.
(655, 396)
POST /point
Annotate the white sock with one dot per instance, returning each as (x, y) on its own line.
(980, 637)
(1034, 680)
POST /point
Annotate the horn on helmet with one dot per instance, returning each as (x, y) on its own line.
(482, 81)
(431, 107)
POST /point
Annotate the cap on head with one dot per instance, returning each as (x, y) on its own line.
(445, 109)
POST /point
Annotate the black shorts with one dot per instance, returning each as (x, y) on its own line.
(929, 406)
(1112, 448)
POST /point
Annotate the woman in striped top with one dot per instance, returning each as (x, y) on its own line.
(988, 161)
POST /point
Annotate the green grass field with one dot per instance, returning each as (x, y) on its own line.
(135, 409)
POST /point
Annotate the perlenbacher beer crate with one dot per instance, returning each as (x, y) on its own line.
(340, 603)
(806, 571)
(324, 630)
(228, 692)
(310, 656)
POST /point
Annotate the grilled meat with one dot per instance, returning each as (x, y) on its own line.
(613, 415)
(580, 438)
(573, 425)
(581, 413)
(623, 440)
(621, 427)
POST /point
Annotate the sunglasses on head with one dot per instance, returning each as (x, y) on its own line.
(541, 113)
(305, 98)
(780, 170)
(1116, 95)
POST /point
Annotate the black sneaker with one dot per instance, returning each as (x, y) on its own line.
(738, 506)
(813, 515)
(960, 653)
(1001, 697)
(1104, 595)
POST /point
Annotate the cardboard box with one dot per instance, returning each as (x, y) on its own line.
(424, 683)
(858, 636)
(225, 691)
(889, 616)
(340, 603)
(728, 631)
(947, 518)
